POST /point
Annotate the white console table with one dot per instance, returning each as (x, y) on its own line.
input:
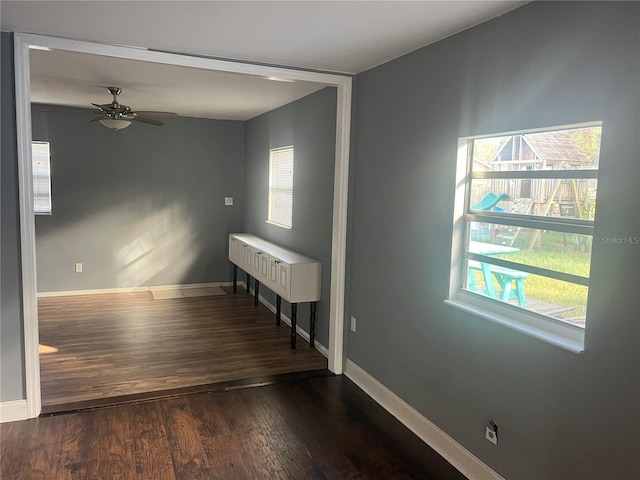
(290, 275)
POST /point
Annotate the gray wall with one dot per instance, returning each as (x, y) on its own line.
(560, 415)
(308, 124)
(12, 386)
(139, 206)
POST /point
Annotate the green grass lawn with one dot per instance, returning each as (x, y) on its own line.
(567, 262)
(560, 255)
(554, 291)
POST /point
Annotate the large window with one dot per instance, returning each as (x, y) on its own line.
(41, 169)
(281, 186)
(523, 229)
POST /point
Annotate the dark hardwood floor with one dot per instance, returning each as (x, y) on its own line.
(119, 347)
(318, 428)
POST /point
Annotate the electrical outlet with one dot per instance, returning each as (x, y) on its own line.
(491, 432)
(228, 200)
(353, 324)
(78, 268)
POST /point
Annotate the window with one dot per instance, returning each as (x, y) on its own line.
(41, 169)
(523, 229)
(281, 186)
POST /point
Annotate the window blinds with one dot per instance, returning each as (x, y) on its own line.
(281, 186)
(41, 170)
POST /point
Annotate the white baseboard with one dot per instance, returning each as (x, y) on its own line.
(463, 460)
(318, 346)
(98, 291)
(13, 410)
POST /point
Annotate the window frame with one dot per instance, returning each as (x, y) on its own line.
(549, 329)
(38, 193)
(272, 206)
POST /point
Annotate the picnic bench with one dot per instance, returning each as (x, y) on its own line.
(505, 278)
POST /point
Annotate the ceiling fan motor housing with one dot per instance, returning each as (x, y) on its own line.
(117, 111)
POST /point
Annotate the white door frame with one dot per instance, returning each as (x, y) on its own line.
(24, 42)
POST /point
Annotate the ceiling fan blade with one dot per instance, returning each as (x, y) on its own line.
(156, 114)
(65, 109)
(147, 120)
(104, 108)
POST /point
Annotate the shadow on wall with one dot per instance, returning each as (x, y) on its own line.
(149, 246)
(124, 247)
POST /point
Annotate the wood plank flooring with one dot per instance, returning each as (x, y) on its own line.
(117, 345)
(320, 428)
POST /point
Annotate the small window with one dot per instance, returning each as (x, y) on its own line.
(523, 229)
(41, 169)
(281, 186)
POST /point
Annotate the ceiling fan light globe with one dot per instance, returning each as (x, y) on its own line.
(115, 124)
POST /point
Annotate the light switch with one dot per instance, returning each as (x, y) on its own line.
(228, 200)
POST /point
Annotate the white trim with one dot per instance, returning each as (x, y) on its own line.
(535, 174)
(566, 336)
(277, 224)
(318, 346)
(99, 291)
(27, 229)
(339, 231)
(343, 84)
(13, 411)
(581, 227)
(179, 59)
(454, 453)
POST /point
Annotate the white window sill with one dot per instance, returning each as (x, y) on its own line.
(564, 336)
(277, 224)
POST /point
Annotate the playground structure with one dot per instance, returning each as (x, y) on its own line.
(579, 205)
(543, 197)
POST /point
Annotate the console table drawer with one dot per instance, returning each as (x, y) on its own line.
(293, 276)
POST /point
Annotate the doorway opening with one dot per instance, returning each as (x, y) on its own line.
(23, 44)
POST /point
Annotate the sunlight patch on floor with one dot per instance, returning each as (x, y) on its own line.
(42, 349)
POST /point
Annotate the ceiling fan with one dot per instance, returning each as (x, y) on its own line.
(118, 116)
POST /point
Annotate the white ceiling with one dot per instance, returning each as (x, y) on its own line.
(337, 36)
(79, 79)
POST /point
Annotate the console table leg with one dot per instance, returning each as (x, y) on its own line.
(256, 287)
(294, 322)
(248, 283)
(312, 325)
(235, 278)
(278, 309)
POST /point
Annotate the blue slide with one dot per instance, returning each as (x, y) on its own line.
(489, 201)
